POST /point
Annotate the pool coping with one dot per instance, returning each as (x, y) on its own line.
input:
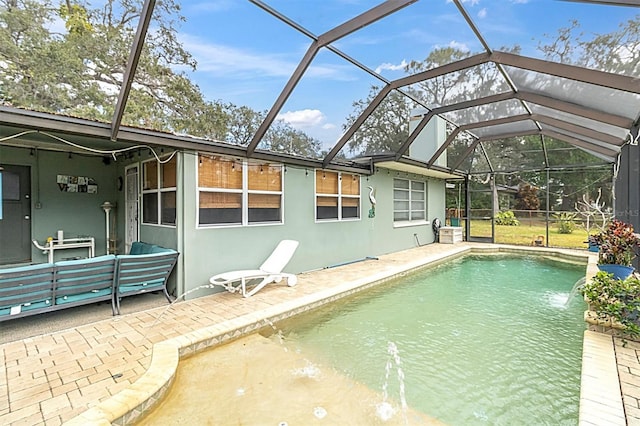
(132, 403)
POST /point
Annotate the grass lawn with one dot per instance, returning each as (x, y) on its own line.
(524, 234)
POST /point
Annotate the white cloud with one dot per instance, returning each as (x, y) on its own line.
(460, 46)
(331, 71)
(482, 13)
(222, 60)
(303, 119)
(391, 67)
(313, 123)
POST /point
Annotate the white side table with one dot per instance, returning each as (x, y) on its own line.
(67, 243)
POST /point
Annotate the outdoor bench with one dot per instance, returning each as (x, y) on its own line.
(145, 269)
(39, 288)
(33, 289)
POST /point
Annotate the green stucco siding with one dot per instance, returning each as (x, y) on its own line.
(211, 250)
(77, 214)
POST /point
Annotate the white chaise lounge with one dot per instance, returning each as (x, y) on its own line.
(270, 271)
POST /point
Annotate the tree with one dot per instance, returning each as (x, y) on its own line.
(29, 54)
(455, 86)
(79, 72)
(617, 52)
(527, 198)
(385, 129)
(282, 137)
(243, 123)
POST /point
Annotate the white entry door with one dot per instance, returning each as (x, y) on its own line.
(132, 206)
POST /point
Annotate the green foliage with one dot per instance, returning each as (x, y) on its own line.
(76, 19)
(617, 243)
(507, 218)
(385, 129)
(527, 198)
(615, 299)
(602, 52)
(566, 222)
(78, 72)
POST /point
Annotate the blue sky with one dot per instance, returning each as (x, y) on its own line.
(245, 56)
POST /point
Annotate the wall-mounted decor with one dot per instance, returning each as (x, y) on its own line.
(68, 183)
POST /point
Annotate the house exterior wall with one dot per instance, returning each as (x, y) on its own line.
(205, 251)
(162, 235)
(77, 214)
(215, 249)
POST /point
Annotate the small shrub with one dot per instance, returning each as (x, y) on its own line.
(566, 222)
(615, 299)
(507, 218)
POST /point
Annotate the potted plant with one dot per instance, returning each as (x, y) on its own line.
(617, 248)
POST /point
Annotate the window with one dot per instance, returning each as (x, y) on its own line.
(238, 192)
(159, 192)
(337, 196)
(409, 200)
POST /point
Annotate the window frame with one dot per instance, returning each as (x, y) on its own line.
(159, 190)
(244, 190)
(339, 195)
(410, 190)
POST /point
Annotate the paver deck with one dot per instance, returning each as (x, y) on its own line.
(112, 370)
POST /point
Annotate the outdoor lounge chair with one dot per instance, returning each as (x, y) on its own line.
(270, 271)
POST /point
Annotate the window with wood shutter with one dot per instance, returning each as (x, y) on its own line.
(337, 195)
(238, 192)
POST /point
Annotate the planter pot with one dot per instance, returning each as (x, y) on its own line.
(594, 247)
(620, 272)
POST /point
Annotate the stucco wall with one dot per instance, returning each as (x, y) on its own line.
(77, 214)
(206, 251)
(211, 250)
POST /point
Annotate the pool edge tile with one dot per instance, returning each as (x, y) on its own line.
(599, 377)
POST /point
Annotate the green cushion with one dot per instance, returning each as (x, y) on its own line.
(138, 247)
(6, 310)
(150, 285)
(83, 296)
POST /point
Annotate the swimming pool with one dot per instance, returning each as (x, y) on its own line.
(480, 340)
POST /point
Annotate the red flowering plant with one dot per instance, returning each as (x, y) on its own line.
(617, 243)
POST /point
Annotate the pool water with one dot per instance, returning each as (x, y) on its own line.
(480, 340)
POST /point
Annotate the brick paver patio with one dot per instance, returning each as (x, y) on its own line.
(56, 377)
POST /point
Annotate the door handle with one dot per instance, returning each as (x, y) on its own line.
(27, 217)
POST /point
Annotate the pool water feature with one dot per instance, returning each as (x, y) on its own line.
(483, 340)
(467, 355)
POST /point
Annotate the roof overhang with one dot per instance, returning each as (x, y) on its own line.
(408, 165)
(31, 129)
